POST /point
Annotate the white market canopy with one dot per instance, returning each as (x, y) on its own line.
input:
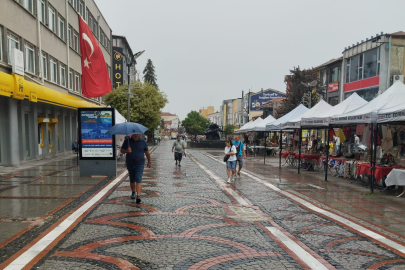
(247, 126)
(261, 126)
(386, 106)
(276, 125)
(350, 104)
(119, 118)
(319, 109)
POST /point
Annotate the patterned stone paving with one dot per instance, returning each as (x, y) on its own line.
(187, 221)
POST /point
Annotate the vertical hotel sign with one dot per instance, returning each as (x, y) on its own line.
(93, 125)
(118, 65)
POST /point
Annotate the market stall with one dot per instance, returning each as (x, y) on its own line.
(276, 125)
(322, 121)
(319, 109)
(381, 123)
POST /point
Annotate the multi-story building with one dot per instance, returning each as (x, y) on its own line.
(38, 109)
(215, 118)
(204, 112)
(120, 51)
(329, 88)
(372, 65)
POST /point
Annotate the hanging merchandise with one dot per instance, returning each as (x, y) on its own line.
(387, 142)
(341, 135)
(360, 129)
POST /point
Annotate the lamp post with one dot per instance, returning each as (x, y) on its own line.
(130, 60)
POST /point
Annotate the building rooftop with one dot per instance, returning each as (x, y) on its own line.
(329, 62)
(166, 114)
(397, 34)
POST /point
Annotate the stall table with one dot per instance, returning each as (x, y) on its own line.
(380, 171)
(396, 178)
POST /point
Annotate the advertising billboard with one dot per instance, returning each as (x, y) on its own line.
(93, 125)
(257, 100)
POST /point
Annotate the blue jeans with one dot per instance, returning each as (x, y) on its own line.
(135, 173)
(356, 149)
(231, 165)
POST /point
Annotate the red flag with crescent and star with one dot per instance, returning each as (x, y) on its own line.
(95, 79)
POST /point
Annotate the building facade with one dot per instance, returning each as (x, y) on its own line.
(38, 108)
(215, 118)
(120, 50)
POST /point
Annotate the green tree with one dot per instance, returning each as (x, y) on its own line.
(149, 74)
(195, 124)
(229, 129)
(146, 104)
(296, 90)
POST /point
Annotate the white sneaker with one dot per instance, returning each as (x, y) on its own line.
(229, 180)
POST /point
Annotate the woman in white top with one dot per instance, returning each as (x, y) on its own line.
(230, 150)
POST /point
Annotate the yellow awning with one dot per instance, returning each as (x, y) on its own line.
(14, 86)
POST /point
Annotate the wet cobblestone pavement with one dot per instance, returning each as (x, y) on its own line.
(190, 218)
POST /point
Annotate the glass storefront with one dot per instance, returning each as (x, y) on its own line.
(367, 94)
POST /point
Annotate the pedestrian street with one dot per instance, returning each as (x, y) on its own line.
(190, 218)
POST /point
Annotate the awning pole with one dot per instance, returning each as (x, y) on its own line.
(375, 158)
(327, 154)
(265, 146)
(299, 151)
(371, 157)
(281, 148)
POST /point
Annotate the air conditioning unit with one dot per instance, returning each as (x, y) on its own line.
(397, 78)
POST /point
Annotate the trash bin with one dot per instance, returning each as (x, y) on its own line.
(156, 141)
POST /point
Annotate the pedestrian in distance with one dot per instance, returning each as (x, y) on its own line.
(179, 147)
(136, 149)
(240, 152)
(230, 155)
(75, 146)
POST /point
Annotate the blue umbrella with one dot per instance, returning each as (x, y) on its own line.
(127, 128)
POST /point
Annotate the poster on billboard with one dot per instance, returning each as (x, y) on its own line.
(93, 125)
(257, 100)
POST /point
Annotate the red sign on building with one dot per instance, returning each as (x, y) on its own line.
(332, 87)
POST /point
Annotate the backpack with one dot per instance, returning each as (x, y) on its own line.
(237, 149)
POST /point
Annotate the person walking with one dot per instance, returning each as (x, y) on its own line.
(75, 146)
(179, 148)
(240, 152)
(136, 149)
(230, 152)
(356, 143)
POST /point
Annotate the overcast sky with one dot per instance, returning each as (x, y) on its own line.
(205, 51)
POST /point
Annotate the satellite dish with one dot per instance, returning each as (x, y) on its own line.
(313, 83)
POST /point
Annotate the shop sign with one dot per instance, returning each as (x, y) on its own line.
(19, 90)
(93, 125)
(33, 97)
(333, 87)
(118, 65)
(17, 61)
(6, 84)
(257, 100)
(390, 117)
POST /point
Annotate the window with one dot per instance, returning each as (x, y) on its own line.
(333, 101)
(62, 74)
(51, 19)
(77, 83)
(29, 59)
(102, 38)
(354, 68)
(108, 45)
(114, 42)
(70, 79)
(90, 22)
(70, 38)
(81, 8)
(105, 42)
(44, 66)
(61, 29)
(76, 42)
(347, 70)
(28, 4)
(41, 11)
(371, 59)
(54, 70)
(95, 30)
(12, 42)
(367, 94)
(74, 4)
(334, 74)
(119, 43)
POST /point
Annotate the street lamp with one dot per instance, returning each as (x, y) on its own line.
(309, 85)
(131, 59)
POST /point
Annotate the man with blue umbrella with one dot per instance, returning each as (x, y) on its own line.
(136, 149)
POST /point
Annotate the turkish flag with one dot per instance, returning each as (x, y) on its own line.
(95, 79)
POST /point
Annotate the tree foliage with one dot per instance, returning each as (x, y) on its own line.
(229, 129)
(296, 90)
(145, 106)
(149, 74)
(195, 124)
